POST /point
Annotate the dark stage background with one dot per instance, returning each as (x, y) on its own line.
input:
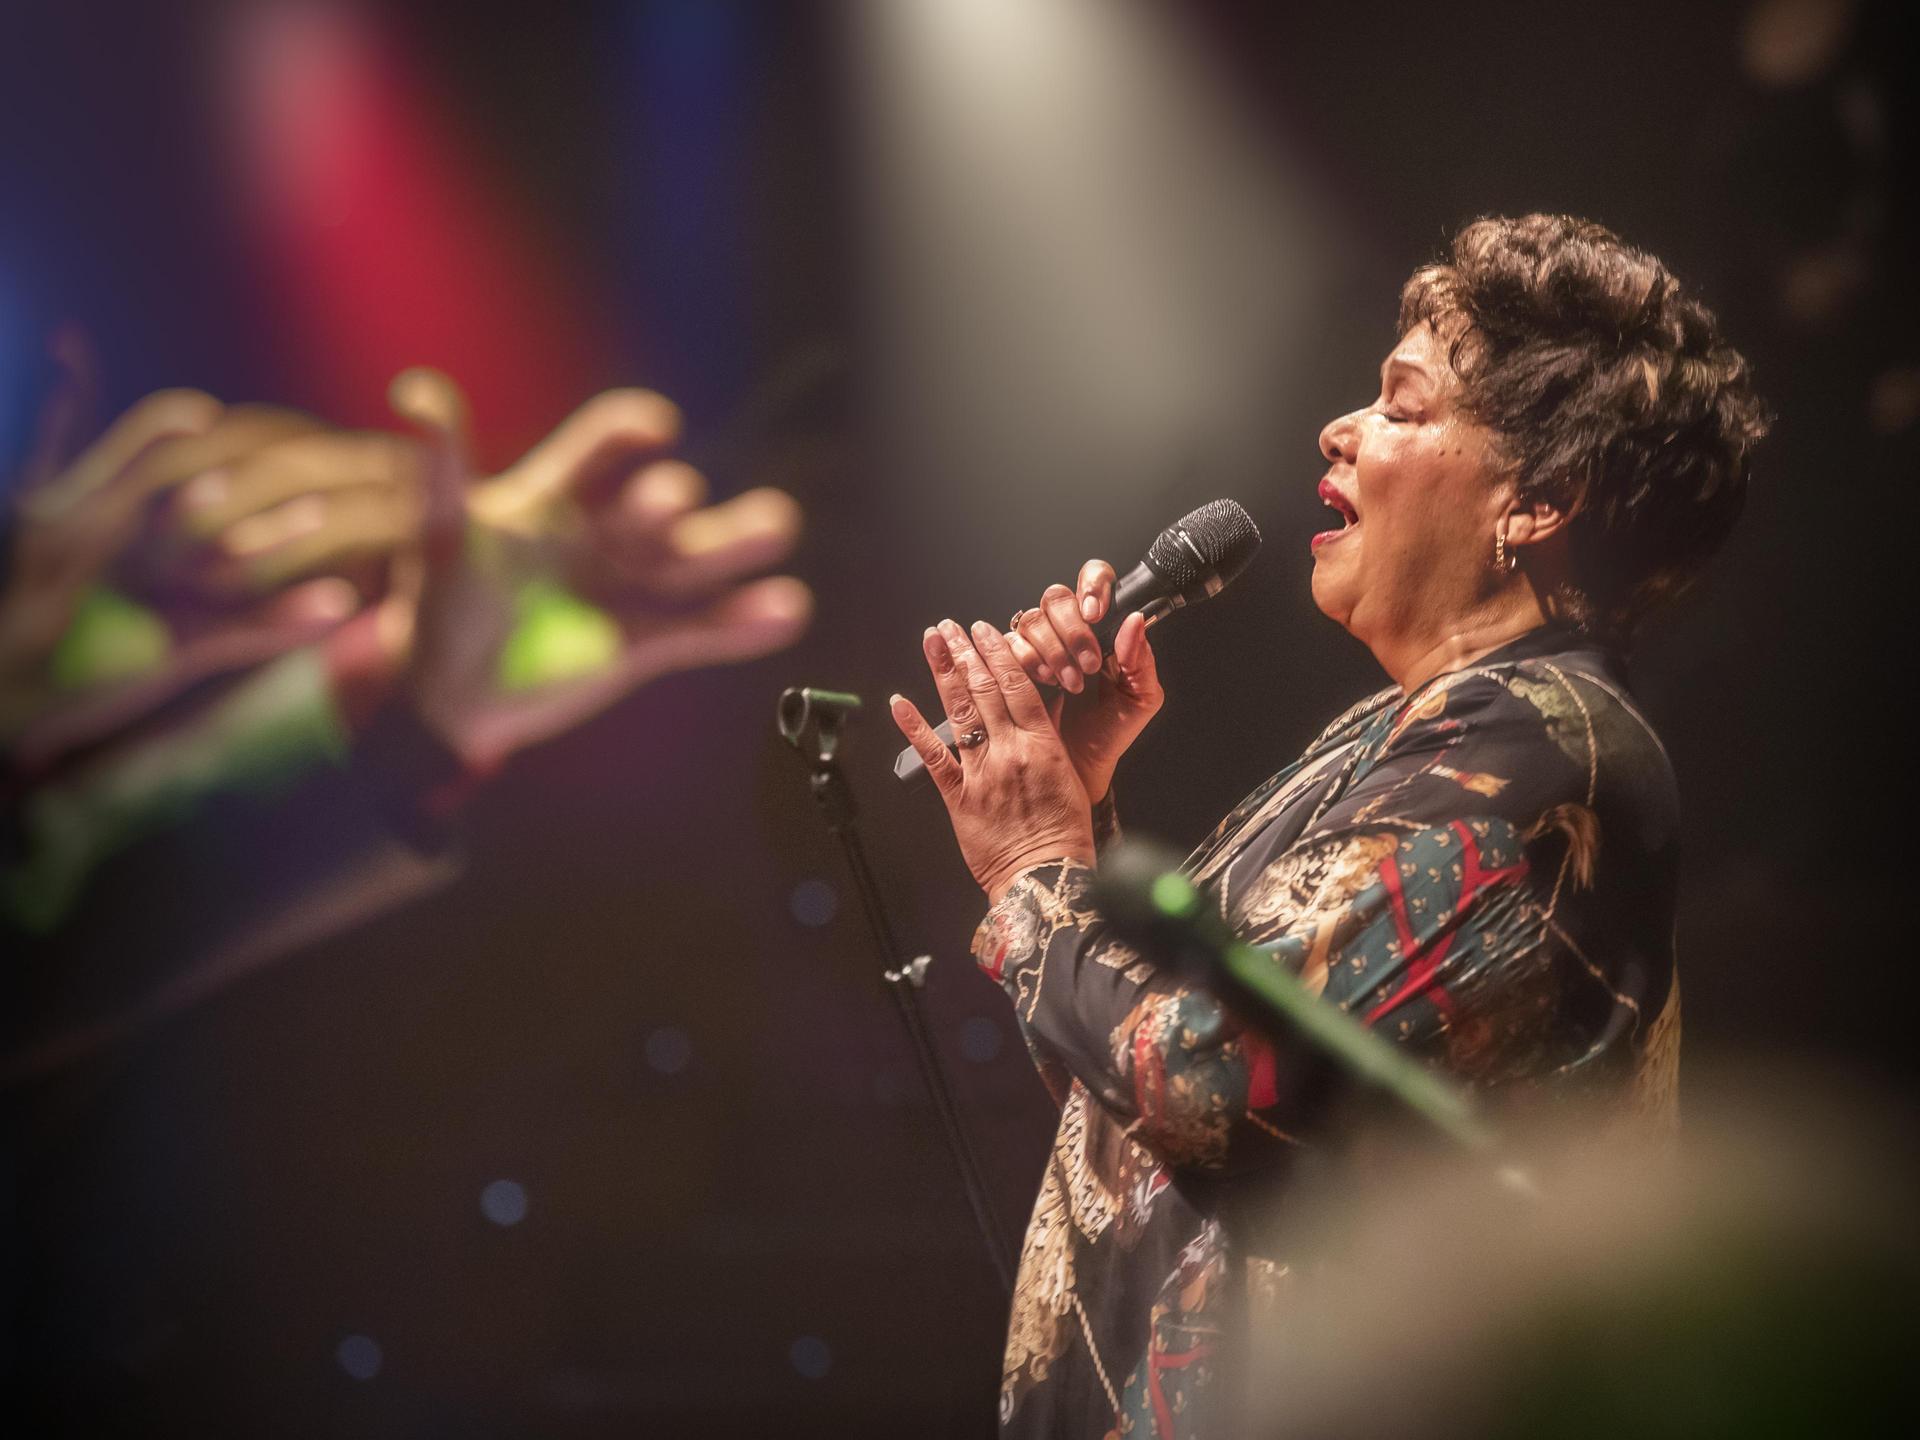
(648, 1003)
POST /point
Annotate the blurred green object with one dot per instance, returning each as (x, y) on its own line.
(558, 637)
(273, 726)
(111, 638)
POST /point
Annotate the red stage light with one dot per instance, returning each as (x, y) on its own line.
(383, 246)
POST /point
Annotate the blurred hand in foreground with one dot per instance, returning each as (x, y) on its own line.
(194, 540)
(585, 570)
(190, 540)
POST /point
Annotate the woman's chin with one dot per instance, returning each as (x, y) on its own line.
(1331, 591)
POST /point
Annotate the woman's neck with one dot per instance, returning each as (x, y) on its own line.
(1412, 660)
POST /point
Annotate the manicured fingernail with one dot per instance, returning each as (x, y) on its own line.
(1089, 606)
(1089, 658)
(983, 631)
(1070, 680)
(1047, 677)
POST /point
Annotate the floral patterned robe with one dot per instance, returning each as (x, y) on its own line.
(1484, 869)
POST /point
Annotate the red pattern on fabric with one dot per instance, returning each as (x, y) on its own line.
(1158, 1360)
(1423, 966)
(997, 966)
(1263, 1089)
(1149, 1073)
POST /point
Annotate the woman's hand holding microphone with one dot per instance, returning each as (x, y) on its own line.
(1029, 769)
(1104, 700)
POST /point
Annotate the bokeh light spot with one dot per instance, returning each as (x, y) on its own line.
(814, 903)
(811, 1357)
(504, 1202)
(980, 1040)
(359, 1356)
(669, 1051)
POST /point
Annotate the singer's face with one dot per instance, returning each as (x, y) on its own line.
(1411, 486)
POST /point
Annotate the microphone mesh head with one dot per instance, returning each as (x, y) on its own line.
(1220, 532)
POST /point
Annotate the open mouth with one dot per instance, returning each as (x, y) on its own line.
(1341, 506)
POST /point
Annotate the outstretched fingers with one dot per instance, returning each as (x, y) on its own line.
(718, 545)
(286, 470)
(950, 677)
(161, 416)
(746, 623)
(604, 436)
(933, 753)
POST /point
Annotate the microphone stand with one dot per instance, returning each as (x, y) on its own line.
(811, 722)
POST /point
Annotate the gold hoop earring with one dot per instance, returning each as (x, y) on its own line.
(1504, 560)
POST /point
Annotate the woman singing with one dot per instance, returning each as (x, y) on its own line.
(1480, 861)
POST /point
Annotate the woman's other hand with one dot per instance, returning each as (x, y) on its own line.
(1014, 796)
(1104, 700)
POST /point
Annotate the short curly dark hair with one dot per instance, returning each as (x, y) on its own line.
(1609, 392)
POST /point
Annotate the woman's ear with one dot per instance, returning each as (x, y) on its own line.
(1529, 522)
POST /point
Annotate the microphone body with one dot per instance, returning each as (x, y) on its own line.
(1191, 560)
(1143, 589)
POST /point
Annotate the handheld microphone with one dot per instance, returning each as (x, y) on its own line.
(1191, 560)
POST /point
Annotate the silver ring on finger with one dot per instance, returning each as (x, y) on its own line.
(970, 739)
(1018, 617)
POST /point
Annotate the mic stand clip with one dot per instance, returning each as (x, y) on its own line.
(811, 721)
